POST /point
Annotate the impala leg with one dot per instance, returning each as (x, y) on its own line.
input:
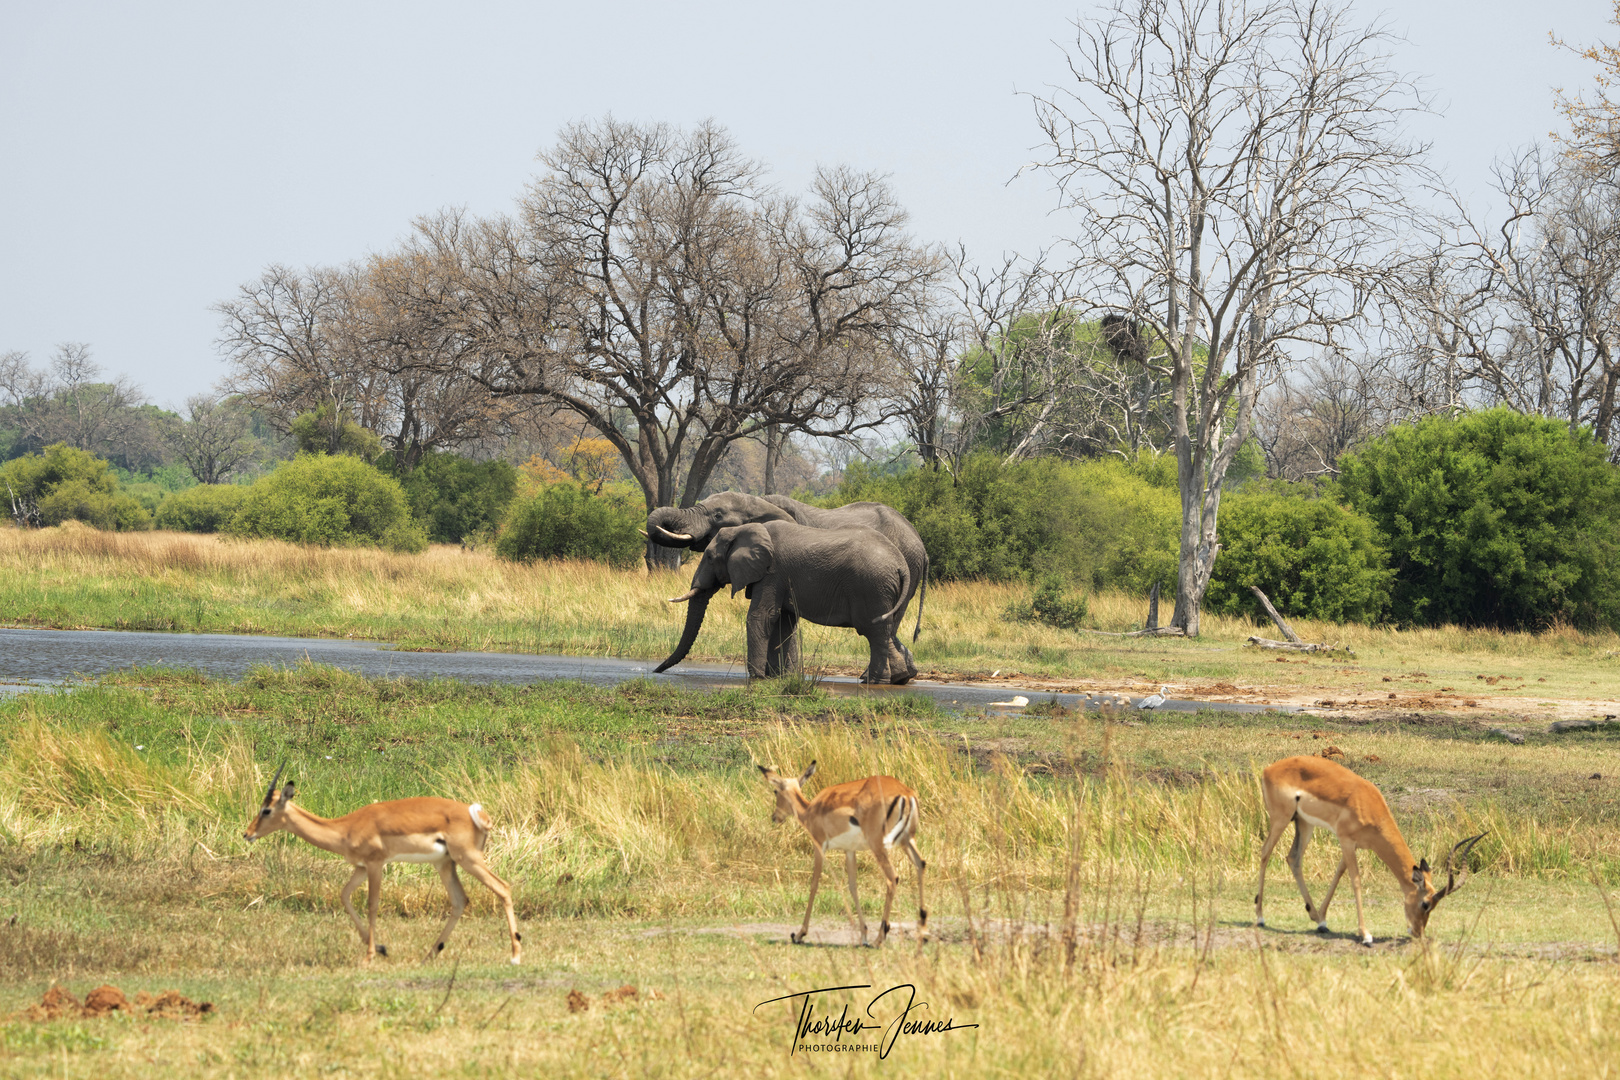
(355, 879)
(1296, 862)
(854, 893)
(475, 865)
(1355, 883)
(1321, 912)
(922, 908)
(374, 876)
(458, 903)
(890, 879)
(1277, 827)
(815, 882)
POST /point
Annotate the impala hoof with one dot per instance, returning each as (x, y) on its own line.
(516, 960)
(1322, 928)
(1367, 941)
(796, 937)
(382, 950)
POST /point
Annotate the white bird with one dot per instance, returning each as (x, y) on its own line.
(1153, 701)
(1018, 701)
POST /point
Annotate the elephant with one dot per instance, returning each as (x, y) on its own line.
(834, 577)
(695, 526)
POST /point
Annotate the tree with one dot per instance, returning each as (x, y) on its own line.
(69, 402)
(213, 440)
(1493, 518)
(1594, 120)
(655, 288)
(1239, 170)
(1525, 314)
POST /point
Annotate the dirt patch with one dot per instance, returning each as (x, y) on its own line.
(106, 999)
(624, 995)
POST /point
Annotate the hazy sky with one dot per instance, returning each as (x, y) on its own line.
(157, 156)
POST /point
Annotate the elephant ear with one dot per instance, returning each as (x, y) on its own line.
(750, 557)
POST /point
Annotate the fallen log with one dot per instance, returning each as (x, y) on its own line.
(1297, 646)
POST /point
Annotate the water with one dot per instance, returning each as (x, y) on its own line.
(32, 659)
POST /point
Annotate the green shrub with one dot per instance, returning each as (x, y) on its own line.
(1493, 518)
(205, 508)
(69, 484)
(315, 499)
(1051, 603)
(1107, 523)
(1312, 556)
(568, 521)
(454, 497)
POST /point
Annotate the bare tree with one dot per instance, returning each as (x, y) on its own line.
(657, 290)
(1239, 169)
(213, 440)
(71, 402)
(1329, 406)
(1525, 314)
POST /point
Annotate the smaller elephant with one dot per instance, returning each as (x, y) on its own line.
(847, 577)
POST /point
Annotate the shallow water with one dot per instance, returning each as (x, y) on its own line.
(32, 659)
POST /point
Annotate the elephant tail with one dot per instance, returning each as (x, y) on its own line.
(922, 594)
(900, 604)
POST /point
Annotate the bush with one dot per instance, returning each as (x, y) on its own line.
(1106, 523)
(1052, 604)
(568, 521)
(68, 484)
(453, 497)
(1493, 518)
(1313, 557)
(315, 499)
(205, 508)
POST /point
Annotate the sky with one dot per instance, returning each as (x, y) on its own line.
(153, 158)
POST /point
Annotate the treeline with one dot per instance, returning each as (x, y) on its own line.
(1491, 518)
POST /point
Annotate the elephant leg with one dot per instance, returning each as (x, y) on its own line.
(763, 621)
(877, 667)
(902, 667)
(783, 656)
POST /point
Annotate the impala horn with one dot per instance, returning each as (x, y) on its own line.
(271, 794)
(1459, 852)
(684, 597)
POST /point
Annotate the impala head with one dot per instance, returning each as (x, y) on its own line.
(272, 813)
(1424, 898)
(786, 787)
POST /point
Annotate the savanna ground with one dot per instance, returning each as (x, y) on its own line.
(1090, 877)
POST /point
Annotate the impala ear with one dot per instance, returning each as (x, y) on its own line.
(808, 773)
(768, 771)
(287, 792)
(1417, 875)
(1424, 866)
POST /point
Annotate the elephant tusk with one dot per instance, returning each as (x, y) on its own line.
(684, 597)
(679, 536)
(643, 532)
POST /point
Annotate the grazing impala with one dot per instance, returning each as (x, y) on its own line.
(1314, 792)
(443, 832)
(877, 813)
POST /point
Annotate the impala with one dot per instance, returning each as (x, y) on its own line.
(876, 813)
(443, 832)
(1314, 792)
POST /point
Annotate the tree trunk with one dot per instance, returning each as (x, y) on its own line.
(773, 447)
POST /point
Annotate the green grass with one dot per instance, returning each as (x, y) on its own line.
(1090, 885)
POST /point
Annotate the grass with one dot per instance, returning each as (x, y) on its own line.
(447, 598)
(1090, 885)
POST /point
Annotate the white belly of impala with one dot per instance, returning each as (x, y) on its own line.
(436, 852)
(851, 839)
(1317, 822)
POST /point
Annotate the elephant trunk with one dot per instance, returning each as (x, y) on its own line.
(675, 527)
(696, 607)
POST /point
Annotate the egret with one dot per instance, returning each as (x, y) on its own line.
(1153, 701)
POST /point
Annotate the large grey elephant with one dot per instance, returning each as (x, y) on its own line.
(694, 526)
(834, 577)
